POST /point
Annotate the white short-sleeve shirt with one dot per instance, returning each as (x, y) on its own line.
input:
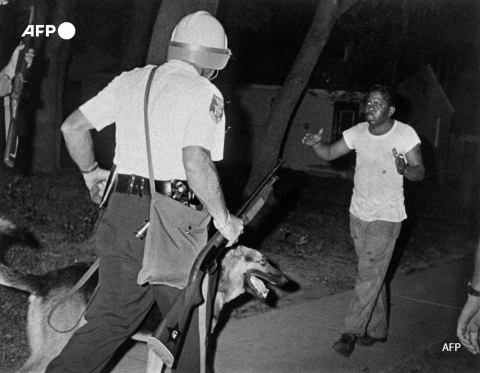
(185, 109)
(378, 188)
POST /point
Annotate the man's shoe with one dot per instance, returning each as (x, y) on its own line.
(345, 345)
(368, 341)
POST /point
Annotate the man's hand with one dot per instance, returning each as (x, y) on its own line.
(96, 182)
(232, 230)
(311, 139)
(469, 324)
(399, 162)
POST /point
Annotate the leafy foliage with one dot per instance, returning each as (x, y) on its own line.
(386, 41)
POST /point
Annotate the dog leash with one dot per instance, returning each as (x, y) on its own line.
(103, 205)
(72, 291)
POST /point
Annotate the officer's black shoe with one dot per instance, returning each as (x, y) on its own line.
(346, 344)
(368, 341)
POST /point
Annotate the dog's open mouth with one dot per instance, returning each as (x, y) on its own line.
(255, 281)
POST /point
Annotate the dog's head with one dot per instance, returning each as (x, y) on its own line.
(250, 270)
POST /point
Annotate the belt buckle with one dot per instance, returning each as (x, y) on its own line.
(131, 184)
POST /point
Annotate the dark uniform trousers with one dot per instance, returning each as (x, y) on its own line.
(120, 304)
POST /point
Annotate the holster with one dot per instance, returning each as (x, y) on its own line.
(109, 188)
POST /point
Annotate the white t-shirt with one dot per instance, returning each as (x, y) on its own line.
(378, 188)
(185, 109)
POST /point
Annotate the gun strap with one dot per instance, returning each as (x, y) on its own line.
(94, 266)
(147, 131)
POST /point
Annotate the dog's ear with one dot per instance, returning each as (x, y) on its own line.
(236, 252)
(241, 250)
(230, 257)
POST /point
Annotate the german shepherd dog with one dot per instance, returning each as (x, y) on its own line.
(242, 270)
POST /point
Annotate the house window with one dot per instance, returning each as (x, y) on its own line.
(345, 115)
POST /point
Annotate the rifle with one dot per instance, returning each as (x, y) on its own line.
(15, 97)
(168, 337)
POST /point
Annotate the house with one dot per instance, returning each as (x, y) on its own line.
(423, 104)
(318, 108)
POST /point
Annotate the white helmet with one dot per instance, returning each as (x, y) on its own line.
(199, 38)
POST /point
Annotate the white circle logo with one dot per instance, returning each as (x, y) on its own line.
(66, 30)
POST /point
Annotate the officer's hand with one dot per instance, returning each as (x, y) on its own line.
(311, 139)
(5, 85)
(29, 57)
(399, 162)
(12, 64)
(232, 230)
(96, 182)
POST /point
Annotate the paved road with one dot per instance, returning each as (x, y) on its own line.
(424, 310)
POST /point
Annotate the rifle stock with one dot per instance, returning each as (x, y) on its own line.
(168, 337)
(15, 97)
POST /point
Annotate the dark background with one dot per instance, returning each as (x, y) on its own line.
(375, 42)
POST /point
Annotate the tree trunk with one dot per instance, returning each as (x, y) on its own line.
(136, 49)
(169, 14)
(49, 116)
(327, 13)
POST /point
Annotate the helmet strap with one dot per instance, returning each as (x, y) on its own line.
(214, 75)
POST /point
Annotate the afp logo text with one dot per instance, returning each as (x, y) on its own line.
(66, 30)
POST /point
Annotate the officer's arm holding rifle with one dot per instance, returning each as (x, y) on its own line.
(203, 178)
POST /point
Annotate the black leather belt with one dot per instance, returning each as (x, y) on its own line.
(135, 185)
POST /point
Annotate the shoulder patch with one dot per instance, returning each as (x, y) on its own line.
(216, 109)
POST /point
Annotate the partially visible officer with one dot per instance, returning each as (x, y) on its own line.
(187, 127)
(469, 321)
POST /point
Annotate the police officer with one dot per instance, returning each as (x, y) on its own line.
(187, 127)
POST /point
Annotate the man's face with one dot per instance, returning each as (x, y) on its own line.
(377, 110)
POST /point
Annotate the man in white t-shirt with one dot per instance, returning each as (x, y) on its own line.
(387, 151)
(186, 126)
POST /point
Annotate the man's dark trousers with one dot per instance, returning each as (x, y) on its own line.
(121, 304)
